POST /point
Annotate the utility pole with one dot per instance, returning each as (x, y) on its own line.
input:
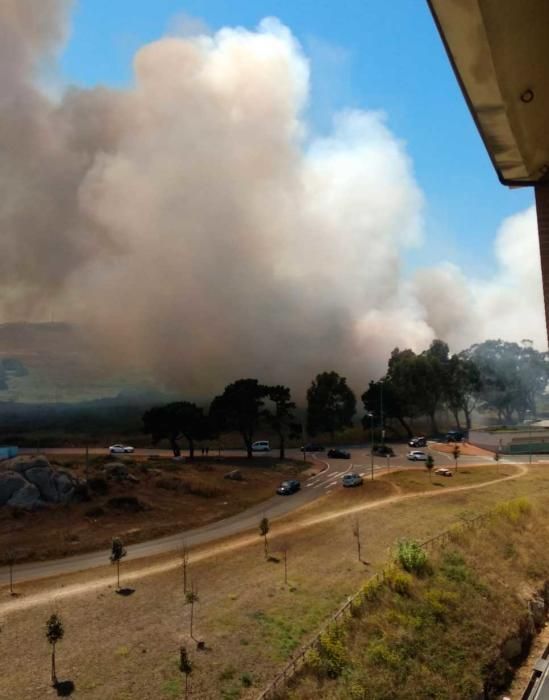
(371, 417)
(381, 424)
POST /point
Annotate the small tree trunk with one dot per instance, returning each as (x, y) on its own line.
(434, 426)
(175, 447)
(266, 546)
(248, 444)
(282, 451)
(358, 548)
(406, 427)
(53, 673)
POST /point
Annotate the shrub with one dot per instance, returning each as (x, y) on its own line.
(372, 589)
(412, 557)
(246, 680)
(514, 510)
(330, 657)
(379, 653)
(398, 581)
(453, 567)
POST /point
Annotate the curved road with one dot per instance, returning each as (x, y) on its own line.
(325, 480)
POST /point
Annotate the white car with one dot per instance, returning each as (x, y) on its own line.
(120, 449)
(261, 446)
(442, 471)
(417, 456)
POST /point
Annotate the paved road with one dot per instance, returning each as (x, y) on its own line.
(326, 479)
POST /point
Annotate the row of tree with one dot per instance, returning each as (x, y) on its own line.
(497, 376)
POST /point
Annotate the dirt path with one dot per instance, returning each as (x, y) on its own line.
(56, 590)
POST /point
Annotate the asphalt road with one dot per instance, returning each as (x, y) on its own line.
(326, 479)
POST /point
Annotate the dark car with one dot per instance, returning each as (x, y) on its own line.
(286, 488)
(454, 436)
(383, 451)
(336, 453)
(312, 447)
(418, 442)
(349, 480)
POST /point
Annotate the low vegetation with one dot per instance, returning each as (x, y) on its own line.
(426, 627)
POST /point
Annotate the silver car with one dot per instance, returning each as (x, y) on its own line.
(120, 449)
(351, 480)
(417, 456)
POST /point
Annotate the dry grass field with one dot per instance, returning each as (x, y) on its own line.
(171, 496)
(126, 648)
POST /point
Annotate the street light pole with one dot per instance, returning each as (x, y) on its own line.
(371, 417)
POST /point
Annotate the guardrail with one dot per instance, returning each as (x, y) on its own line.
(297, 662)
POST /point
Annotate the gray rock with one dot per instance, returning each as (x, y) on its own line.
(27, 497)
(44, 480)
(23, 463)
(10, 483)
(65, 485)
(538, 611)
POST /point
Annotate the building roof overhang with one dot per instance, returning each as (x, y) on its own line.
(499, 51)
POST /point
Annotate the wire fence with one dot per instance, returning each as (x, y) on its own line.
(280, 681)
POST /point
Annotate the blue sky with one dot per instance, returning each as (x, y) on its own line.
(368, 54)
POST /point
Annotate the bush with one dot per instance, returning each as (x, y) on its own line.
(372, 589)
(380, 654)
(412, 557)
(514, 510)
(330, 656)
(398, 581)
(246, 680)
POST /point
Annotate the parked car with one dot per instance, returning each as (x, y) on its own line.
(286, 488)
(261, 446)
(120, 449)
(383, 451)
(312, 447)
(418, 442)
(454, 436)
(442, 471)
(351, 480)
(336, 453)
(417, 456)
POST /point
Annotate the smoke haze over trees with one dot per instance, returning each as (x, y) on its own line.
(198, 228)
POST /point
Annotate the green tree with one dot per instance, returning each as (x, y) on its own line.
(118, 552)
(462, 388)
(54, 633)
(430, 464)
(264, 528)
(331, 404)
(240, 408)
(281, 418)
(174, 421)
(512, 377)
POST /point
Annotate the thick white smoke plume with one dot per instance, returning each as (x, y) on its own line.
(200, 231)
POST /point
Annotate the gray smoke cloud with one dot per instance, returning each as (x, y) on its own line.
(198, 230)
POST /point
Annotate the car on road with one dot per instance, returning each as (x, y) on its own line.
(286, 488)
(442, 471)
(383, 451)
(454, 436)
(351, 480)
(336, 453)
(120, 449)
(417, 456)
(261, 446)
(312, 447)
(418, 442)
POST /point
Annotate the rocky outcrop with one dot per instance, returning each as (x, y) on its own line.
(31, 482)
